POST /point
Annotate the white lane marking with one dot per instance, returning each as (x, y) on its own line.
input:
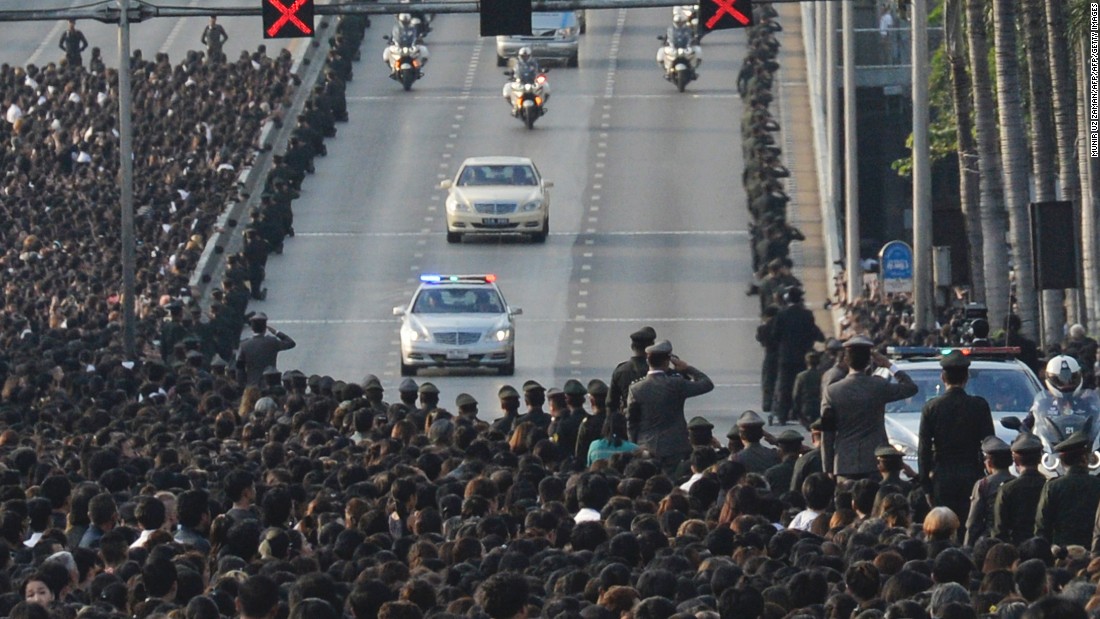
(736, 233)
(613, 54)
(527, 319)
(709, 96)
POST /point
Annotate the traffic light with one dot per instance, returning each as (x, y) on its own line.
(288, 19)
(505, 17)
(722, 14)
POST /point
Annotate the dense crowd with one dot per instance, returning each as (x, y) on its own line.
(171, 486)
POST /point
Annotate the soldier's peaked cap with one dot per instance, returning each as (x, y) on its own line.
(428, 388)
(859, 340)
(574, 387)
(1026, 442)
(789, 436)
(954, 359)
(465, 399)
(887, 451)
(532, 385)
(994, 445)
(750, 418)
(1077, 440)
(408, 386)
(664, 347)
(700, 423)
(645, 334)
(507, 391)
(258, 316)
(597, 387)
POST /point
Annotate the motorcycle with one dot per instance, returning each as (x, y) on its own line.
(680, 56)
(1055, 419)
(405, 56)
(527, 94)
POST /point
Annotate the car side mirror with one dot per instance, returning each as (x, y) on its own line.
(446, 184)
(1012, 422)
(398, 311)
(386, 37)
(661, 38)
(548, 184)
(510, 73)
(515, 311)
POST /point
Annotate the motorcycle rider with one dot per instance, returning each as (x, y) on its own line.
(679, 35)
(525, 69)
(404, 35)
(1065, 395)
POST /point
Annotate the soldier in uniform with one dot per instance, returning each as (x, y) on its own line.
(809, 462)
(793, 333)
(566, 423)
(769, 368)
(592, 426)
(73, 43)
(214, 37)
(699, 435)
(374, 393)
(734, 443)
(890, 465)
(952, 428)
(534, 396)
(790, 448)
(407, 393)
(837, 364)
(509, 405)
(575, 395)
(261, 350)
(1067, 504)
(172, 330)
(998, 459)
(753, 455)
(429, 401)
(1017, 499)
(631, 370)
(467, 407)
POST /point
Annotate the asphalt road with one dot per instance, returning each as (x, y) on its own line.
(648, 224)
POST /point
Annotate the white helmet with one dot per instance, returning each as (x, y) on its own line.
(1063, 375)
(404, 18)
(679, 18)
(524, 53)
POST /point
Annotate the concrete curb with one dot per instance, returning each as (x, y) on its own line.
(308, 64)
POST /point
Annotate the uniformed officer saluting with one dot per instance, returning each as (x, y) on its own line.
(952, 427)
(261, 350)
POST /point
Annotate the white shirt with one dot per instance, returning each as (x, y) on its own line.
(885, 23)
(587, 514)
(804, 520)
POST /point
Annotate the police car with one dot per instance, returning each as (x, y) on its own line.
(458, 321)
(995, 374)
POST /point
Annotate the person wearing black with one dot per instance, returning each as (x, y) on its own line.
(1067, 504)
(952, 428)
(769, 368)
(592, 425)
(509, 405)
(998, 458)
(534, 395)
(261, 350)
(630, 370)
(214, 37)
(73, 43)
(793, 334)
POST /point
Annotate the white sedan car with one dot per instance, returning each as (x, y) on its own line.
(458, 321)
(497, 195)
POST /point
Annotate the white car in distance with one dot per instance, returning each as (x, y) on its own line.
(497, 195)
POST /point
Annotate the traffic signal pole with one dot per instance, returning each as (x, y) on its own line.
(923, 295)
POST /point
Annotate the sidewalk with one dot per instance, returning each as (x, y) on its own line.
(804, 210)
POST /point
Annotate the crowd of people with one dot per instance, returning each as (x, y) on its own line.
(177, 485)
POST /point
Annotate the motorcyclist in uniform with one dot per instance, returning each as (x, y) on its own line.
(680, 35)
(1065, 394)
(525, 68)
(404, 35)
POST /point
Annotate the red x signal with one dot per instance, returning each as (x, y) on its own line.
(720, 14)
(282, 21)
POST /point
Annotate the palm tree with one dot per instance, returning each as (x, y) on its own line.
(1043, 167)
(1014, 157)
(994, 216)
(969, 177)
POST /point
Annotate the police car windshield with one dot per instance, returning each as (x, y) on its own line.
(475, 175)
(1006, 390)
(458, 301)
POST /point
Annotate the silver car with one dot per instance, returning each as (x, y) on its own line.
(497, 195)
(554, 37)
(458, 321)
(1006, 383)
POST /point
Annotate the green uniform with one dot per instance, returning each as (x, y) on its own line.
(1014, 508)
(1067, 508)
(779, 476)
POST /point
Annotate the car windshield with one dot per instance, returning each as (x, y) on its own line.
(552, 20)
(458, 301)
(506, 174)
(1006, 390)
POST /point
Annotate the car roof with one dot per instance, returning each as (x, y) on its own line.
(497, 160)
(978, 364)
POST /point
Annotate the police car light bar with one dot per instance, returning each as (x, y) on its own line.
(970, 351)
(433, 278)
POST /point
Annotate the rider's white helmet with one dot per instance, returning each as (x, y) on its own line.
(524, 53)
(679, 18)
(1063, 375)
(404, 18)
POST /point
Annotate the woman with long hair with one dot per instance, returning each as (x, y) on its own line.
(614, 439)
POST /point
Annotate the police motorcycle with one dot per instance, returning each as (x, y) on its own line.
(528, 90)
(405, 55)
(1064, 408)
(681, 53)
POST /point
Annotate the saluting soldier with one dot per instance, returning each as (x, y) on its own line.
(755, 457)
(1017, 499)
(952, 427)
(998, 459)
(261, 350)
(631, 370)
(1067, 504)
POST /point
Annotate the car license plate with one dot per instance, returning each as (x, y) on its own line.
(457, 355)
(495, 221)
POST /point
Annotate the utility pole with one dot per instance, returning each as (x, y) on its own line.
(851, 160)
(923, 297)
(126, 179)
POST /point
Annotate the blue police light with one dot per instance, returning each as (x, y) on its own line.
(431, 279)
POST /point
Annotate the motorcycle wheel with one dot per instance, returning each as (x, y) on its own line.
(682, 79)
(407, 79)
(529, 119)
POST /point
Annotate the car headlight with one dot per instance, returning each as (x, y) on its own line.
(533, 205)
(502, 335)
(414, 333)
(457, 206)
